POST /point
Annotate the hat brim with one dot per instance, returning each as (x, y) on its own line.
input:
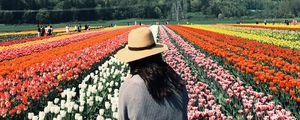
(126, 55)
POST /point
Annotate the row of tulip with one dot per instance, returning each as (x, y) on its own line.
(97, 97)
(269, 26)
(15, 37)
(27, 50)
(260, 38)
(288, 56)
(202, 103)
(42, 40)
(240, 96)
(243, 49)
(278, 34)
(22, 87)
(22, 38)
(10, 67)
(262, 73)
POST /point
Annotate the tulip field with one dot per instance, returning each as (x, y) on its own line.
(232, 72)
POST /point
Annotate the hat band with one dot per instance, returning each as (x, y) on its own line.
(142, 48)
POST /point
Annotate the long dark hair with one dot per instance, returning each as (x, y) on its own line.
(161, 80)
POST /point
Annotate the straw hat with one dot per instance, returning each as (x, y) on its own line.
(140, 45)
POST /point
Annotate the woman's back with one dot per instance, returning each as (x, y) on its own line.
(136, 103)
(156, 91)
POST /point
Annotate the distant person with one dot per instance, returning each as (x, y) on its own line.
(76, 28)
(294, 22)
(39, 30)
(287, 22)
(43, 31)
(257, 22)
(128, 24)
(89, 27)
(265, 21)
(50, 30)
(67, 29)
(79, 28)
(86, 27)
(140, 24)
(273, 21)
(46, 30)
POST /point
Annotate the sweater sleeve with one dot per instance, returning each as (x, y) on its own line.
(131, 100)
(122, 106)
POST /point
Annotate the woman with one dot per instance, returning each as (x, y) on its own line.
(155, 91)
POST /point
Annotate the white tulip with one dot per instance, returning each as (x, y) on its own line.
(62, 113)
(100, 87)
(52, 109)
(116, 115)
(56, 100)
(107, 105)
(114, 108)
(73, 89)
(76, 116)
(100, 117)
(88, 94)
(109, 96)
(35, 118)
(59, 117)
(101, 99)
(97, 98)
(75, 107)
(80, 117)
(41, 115)
(109, 89)
(57, 109)
(91, 103)
(73, 94)
(101, 112)
(30, 115)
(111, 83)
(92, 74)
(46, 110)
(116, 84)
(82, 103)
(50, 103)
(69, 109)
(63, 95)
(81, 108)
(83, 86)
(62, 104)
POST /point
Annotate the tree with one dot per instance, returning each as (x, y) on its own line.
(158, 12)
(29, 17)
(7, 17)
(43, 16)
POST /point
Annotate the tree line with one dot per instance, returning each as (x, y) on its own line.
(54, 11)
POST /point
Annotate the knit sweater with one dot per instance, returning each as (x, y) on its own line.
(136, 103)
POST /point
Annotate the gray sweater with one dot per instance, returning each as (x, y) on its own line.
(136, 103)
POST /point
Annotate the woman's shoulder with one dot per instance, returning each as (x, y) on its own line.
(134, 80)
(133, 83)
